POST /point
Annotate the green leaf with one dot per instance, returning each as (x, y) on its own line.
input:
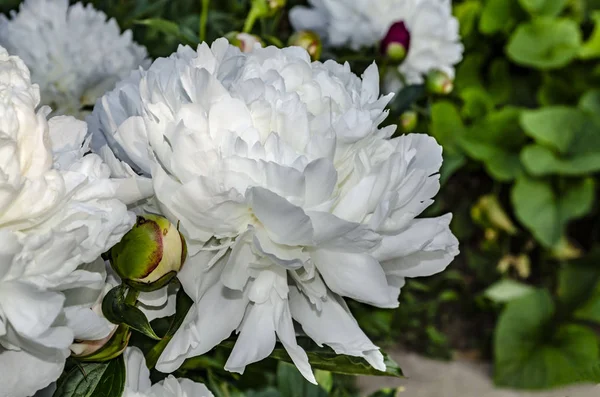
(531, 352)
(545, 43)
(578, 287)
(117, 310)
(554, 126)
(591, 374)
(591, 48)
(496, 141)
(446, 125)
(590, 102)
(498, 16)
(546, 212)
(169, 28)
(93, 380)
(183, 304)
(543, 7)
(540, 161)
(507, 290)
(477, 102)
(467, 14)
(291, 383)
(326, 359)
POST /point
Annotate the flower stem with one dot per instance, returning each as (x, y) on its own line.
(203, 19)
(132, 295)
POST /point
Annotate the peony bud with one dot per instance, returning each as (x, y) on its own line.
(150, 254)
(276, 5)
(409, 120)
(396, 43)
(244, 41)
(438, 82)
(308, 40)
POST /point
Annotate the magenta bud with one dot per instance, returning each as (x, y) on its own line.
(396, 43)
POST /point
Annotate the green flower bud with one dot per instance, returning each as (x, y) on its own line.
(438, 82)
(409, 120)
(150, 254)
(244, 41)
(308, 40)
(276, 5)
(103, 350)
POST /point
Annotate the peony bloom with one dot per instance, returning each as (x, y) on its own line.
(58, 213)
(138, 380)
(288, 194)
(426, 28)
(73, 52)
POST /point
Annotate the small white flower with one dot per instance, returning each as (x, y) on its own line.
(138, 380)
(434, 36)
(58, 213)
(73, 52)
(288, 194)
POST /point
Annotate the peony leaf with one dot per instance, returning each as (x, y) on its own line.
(291, 383)
(93, 380)
(182, 306)
(507, 290)
(326, 359)
(532, 352)
(118, 310)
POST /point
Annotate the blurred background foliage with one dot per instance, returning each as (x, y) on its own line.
(521, 138)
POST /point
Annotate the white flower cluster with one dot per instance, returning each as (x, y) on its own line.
(290, 196)
(434, 36)
(75, 55)
(58, 213)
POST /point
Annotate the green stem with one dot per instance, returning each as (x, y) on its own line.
(251, 20)
(204, 19)
(132, 295)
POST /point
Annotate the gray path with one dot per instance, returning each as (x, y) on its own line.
(429, 378)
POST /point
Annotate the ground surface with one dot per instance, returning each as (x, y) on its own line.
(460, 378)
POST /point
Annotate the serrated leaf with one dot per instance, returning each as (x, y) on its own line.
(118, 311)
(105, 379)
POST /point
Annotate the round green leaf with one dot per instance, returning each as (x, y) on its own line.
(532, 353)
(554, 126)
(543, 7)
(539, 161)
(545, 43)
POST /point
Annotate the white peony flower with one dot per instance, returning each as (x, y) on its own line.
(58, 213)
(74, 53)
(434, 41)
(289, 195)
(138, 380)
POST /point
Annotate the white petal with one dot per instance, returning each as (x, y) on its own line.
(334, 326)
(357, 276)
(137, 373)
(23, 374)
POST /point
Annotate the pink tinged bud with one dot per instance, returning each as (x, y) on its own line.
(438, 82)
(396, 43)
(409, 120)
(308, 40)
(244, 41)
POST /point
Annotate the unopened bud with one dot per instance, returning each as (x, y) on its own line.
(244, 41)
(150, 254)
(396, 43)
(409, 120)
(439, 82)
(308, 40)
(276, 5)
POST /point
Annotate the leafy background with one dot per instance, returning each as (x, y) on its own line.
(521, 138)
